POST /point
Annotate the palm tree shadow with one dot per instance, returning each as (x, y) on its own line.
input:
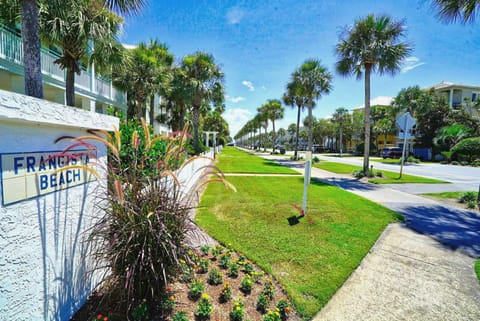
(455, 228)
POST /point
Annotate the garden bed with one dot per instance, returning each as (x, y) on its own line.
(231, 293)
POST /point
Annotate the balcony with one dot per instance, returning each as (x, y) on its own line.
(99, 89)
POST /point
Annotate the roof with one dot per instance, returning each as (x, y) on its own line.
(450, 85)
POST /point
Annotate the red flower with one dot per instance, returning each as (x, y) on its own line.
(105, 319)
(99, 317)
(169, 289)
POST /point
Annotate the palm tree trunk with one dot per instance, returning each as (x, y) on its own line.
(152, 111)
(310, 134)
(273, 138)
(265, 141)
(70, 87)
(341, 142)
(196, 123)
(297, 131)
(366, 152)
(31, 49)
(139, 107)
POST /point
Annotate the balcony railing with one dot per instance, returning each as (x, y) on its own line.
(11, 50)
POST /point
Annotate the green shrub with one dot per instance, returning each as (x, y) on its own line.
(284, 308)
(246, 284)
(224, 261)
(196, 289)
(272, 316)
(268, 289)
(205, 249)
(262, 303)
(205, 307)
(412, 159)
(140, 312)
(358, 173)
(248, 268)
(471, 204)
(455, 163)
(203, 266)
(180, 316)
(464, 163)
(467, 197)
(378, 173)
(237, 311)
(233, 270)
(226, 293)
(215, 277)
(316, 160)
(468, 148)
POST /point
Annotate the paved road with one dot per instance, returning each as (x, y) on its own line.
(463, 178)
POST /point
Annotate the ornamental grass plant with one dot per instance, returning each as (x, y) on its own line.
(140, 235)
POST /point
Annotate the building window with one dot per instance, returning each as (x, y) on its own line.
(474, 97)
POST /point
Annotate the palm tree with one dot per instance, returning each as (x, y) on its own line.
(371, 45)
(294, 97)
(314, 81)
(31, 36)
(145, 73)
(273, 110)
(262, 120)
(73, 30)
(339, 117)
(453, 10)
(205, 84)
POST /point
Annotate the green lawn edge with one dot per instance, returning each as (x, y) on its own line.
(477, 269)
(315, 273)
(389, 177)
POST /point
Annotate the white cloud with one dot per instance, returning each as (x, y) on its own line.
(235, 15)
(264, 88)
(249, 85)
(411, 63)
(236, 118)
(127, 46)
(234, 99)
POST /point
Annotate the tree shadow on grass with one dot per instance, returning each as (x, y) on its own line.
(349, 184)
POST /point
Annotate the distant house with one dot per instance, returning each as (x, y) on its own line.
(384, 101)
(458, 95)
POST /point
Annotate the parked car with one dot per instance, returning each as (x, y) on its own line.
(391, 152)
(281, 149)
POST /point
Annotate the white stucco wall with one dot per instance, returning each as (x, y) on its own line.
(43, 257)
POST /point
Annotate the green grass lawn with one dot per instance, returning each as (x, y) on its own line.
(388, 177)
(477, 269)
(312, 258)
(233, 160)
(453, 195)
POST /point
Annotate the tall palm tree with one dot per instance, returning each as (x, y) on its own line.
(31, 36)
(205, 83)
(453, 10)
(85, 22)
(262, 120)
(339, 117)
(294, 97)
(273, 110)
(315, 81)
(372, 44)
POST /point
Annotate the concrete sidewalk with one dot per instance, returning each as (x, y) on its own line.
(419, 270)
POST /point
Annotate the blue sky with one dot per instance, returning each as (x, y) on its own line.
(260, 43)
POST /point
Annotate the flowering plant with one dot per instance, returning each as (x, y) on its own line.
(283, 307)
(268, 289)
(169, 299)
(215, 277)
(203, 265)
(226, 293)
(272, 316)
(233, 270)
(237, 310)
(196, 289)
(204, 307)
(247, 283)
(225, 260)
(262, 303)
(100, 317)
